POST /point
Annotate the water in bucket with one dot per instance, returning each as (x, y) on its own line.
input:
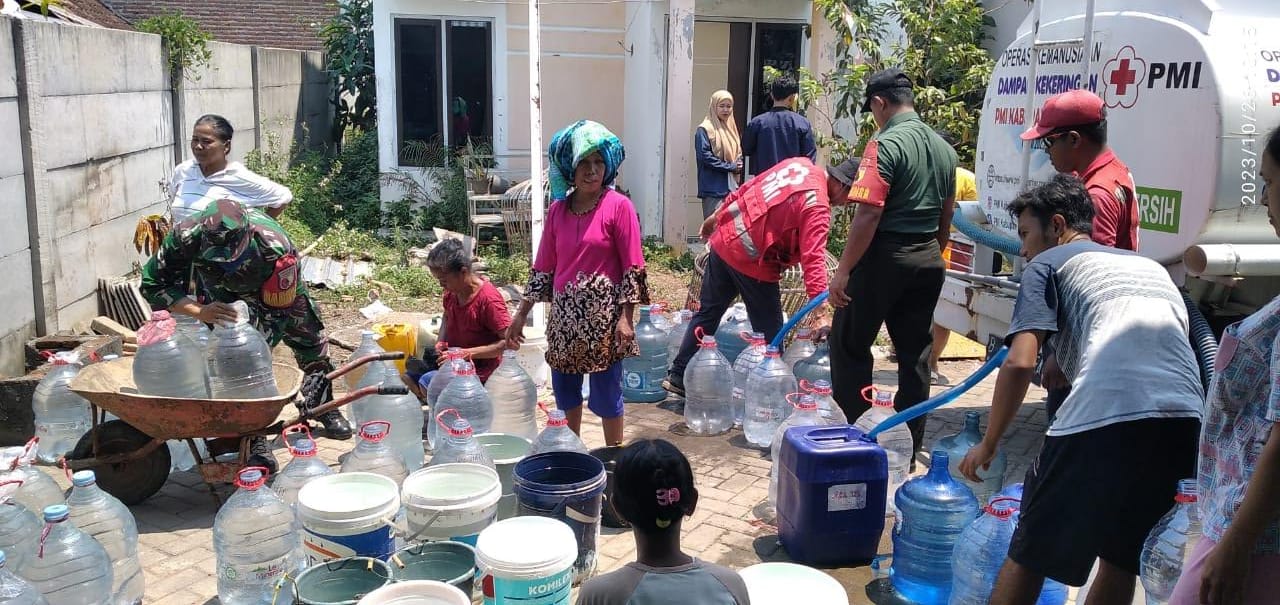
(348, 515)
(506, 451)
(453, 563)
(450, 502)
(341, 581)
(510, 571)
(568, 486)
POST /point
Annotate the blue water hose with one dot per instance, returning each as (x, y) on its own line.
(942, 399)
(795, 319)
(1000, 243)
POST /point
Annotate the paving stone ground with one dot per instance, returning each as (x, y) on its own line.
(175, 525)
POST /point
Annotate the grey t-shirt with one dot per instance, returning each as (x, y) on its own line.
(636, 584)
(1119, 329)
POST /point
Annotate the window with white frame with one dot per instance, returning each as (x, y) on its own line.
(444, 84)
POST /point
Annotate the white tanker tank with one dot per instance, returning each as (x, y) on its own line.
(1191, 89)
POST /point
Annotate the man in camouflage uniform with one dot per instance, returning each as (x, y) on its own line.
(237, 253)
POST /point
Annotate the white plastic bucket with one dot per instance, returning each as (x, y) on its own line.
(788, 583)
(527, 560)
(533, 356)
(450, 502)
(348, 515)
(416, 592)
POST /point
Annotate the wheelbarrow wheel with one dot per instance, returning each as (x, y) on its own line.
(133, 481)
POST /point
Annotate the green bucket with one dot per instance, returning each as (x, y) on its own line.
(506, 450)
(341, 581)
(446, 561)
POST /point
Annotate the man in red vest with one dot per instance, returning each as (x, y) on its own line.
(777, 219)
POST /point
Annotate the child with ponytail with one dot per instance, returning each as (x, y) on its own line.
(654, 492)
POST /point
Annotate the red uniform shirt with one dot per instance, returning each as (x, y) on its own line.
(481, 321)
(777, 219)
(1115, 202)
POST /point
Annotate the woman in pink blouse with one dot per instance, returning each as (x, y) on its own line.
(590, 267)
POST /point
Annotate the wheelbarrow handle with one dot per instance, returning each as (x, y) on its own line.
(348, 398)
(359, 361)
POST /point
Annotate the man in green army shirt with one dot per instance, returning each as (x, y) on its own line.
(238, 253)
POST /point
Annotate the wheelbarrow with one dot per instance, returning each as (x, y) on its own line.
(129, 455)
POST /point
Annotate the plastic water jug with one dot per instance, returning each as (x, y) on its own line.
(256, 539)
(767, 388)
(1168, 546)
(729, 333)
(935, 509)
(305, 466)
(445, 374)
(515, 398)
(897, 443)
(69, 565)
(109, 521)
(642, 375)
(827, 406)
(38, 490)
(658, 317)
(239, 360)
(19, 527)
(816, 366)
(557, 437)
(805, 414)
(194, 330)
(167, 363)
(748, 359)
(831, 495)
(958, 445)
(467, 396)
(675, 337)
(15, 590)
(403, 412)
(981, 552)
(368, 346)
(801, 348)
(372, 455)
(61, 416)
(459, 443)
(375, 373)
(708, 387)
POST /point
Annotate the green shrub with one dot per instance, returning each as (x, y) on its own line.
(657, 253)
(353, 181)
(415, 282)
(506, 269)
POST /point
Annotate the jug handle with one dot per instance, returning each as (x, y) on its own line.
(440, 418)
(292, 429)
(869, 393)
(745, 336)
(793, 399)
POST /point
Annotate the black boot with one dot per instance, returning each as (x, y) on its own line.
(335, 425)
(317, 390)
(260, 455)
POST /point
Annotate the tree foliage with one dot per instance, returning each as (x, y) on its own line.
(348, 45)
(186, 44)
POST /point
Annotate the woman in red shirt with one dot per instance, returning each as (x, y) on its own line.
(475, 316)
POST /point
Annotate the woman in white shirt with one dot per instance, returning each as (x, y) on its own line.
(209, 176)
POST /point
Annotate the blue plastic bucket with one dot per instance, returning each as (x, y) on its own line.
(570, 487)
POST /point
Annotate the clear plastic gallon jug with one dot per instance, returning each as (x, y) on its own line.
(958, 445)
(642, 375)
(372, 455)
(19, 527)
(1169, 545)
(69, 565)
(805, 414)
(257, 541)
(557, 437)
(61, 416)
(935, 509)
(15, 590)
(897, 443)
(444, 376)
(767, 388)
(658, 317)
(708, 385)
(980, 553)
(194, 330)
(467, 396)
(459, 443)
(801, 348)
(514, 397)
(729, 333)
(375, 373)
(109, 521)
(827, 406)
(404, 412)
(675, 337)
(748, 359)
(239, 360)
(167, 363)
(38, 490)
(305, 466)
(368, 346)
(816, 366)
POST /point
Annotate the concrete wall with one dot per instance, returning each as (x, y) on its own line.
(17, 306)
(94, 129)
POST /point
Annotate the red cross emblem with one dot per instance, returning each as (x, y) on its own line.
(1123, 77)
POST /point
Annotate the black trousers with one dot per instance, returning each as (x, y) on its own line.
(720, 285)
(896, 284)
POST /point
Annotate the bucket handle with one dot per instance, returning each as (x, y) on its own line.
(275, 594)
(405, 531)
(563, 509)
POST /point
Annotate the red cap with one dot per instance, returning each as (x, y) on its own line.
(1071, 108)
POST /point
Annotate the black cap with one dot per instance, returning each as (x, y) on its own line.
(885, 79)
(846, 171)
